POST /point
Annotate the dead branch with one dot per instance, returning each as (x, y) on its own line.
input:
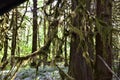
(106, 65)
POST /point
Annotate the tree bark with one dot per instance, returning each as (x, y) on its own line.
(14, 35)
(5, 48)
(34, 41)
(35, 28)
(103, 40)
(4, 58)
(78, 68)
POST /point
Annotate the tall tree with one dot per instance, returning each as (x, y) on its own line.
(35, 28)
(14, 35)
(34, 41)
(5, 40)
(78, 67)
(5, 48)
(103, 39)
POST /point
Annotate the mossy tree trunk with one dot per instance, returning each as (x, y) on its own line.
(14, 35)
(103, 40)
(78, 67)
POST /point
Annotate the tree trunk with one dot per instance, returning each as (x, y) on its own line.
(5, 48)
(103, 40)
(34, 41)
(65, 52)
(34, 37)
(4, 58)
(14, 35)
(78, 67)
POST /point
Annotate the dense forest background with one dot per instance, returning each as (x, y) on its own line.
(81, 38)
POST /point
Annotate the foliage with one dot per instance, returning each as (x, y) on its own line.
(56, 23)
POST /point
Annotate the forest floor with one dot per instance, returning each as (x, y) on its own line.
(43, 73)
